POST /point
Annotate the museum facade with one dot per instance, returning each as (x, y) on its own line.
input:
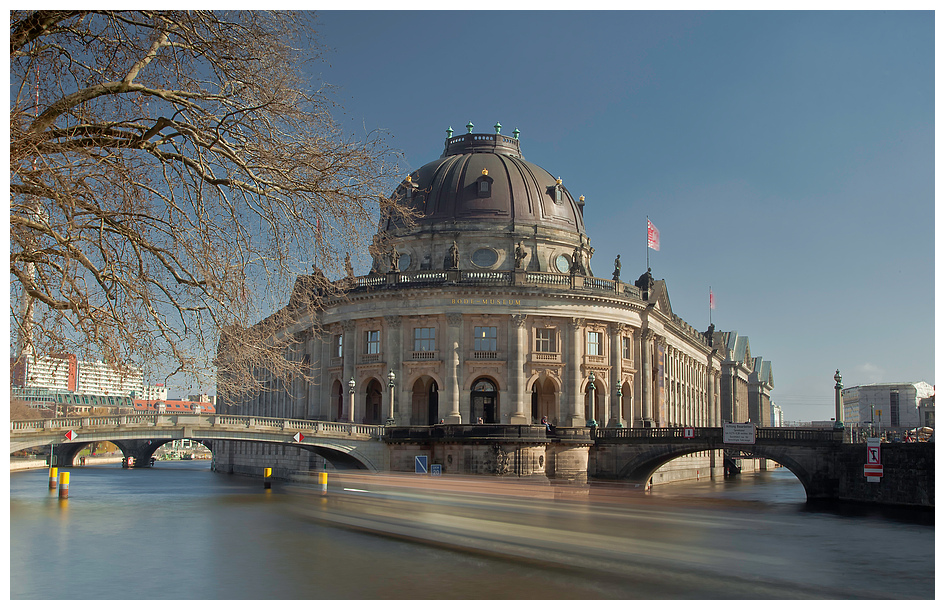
(485, 309)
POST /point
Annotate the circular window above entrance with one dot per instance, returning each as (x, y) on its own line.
(485, 257)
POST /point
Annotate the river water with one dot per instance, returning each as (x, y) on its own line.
(180, 531)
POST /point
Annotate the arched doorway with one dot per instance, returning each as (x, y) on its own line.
(338, 402)
(372, 403)
(484, 402)
(626, 404)
(544, 401)
(424, 402)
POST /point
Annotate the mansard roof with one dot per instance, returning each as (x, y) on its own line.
(762, 372)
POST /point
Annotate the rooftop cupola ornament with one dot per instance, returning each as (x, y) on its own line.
(469, 127)
(449, 132)
(558, 181)
(485, 172)
(498, 128)
(515, 133)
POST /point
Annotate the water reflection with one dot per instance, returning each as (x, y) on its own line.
(179, 531)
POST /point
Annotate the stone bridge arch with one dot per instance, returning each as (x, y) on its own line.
(639, 468)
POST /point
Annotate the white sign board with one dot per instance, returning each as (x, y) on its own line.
(872, 451)
(738, 434)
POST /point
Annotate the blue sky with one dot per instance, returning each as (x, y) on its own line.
(787, 158)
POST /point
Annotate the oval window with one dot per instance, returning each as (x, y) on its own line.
(485, 257)
(404, 262)
(563, 263)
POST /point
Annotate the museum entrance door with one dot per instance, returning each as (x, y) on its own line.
(484, 402)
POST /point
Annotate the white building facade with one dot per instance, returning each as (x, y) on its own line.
(890, 406)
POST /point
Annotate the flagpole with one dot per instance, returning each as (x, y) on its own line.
(710, 305)
(648, 243)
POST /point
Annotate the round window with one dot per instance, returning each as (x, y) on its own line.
(563, 263)
(485, 257)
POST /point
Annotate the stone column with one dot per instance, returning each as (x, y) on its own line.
(646, 371)
(616, 374)
(395, 356)
(518, 342)
(323, 408)
(349, 347)
(453, 363)
(574, 413)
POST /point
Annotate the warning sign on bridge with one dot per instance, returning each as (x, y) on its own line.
(738, 434)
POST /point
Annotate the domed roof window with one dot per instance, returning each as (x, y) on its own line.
(559, 192)
(484, 183)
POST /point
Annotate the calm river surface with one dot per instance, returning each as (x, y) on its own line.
(179, 531)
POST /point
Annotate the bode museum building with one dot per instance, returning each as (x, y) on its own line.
(485, 309)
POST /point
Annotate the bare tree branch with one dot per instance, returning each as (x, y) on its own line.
(173, 177)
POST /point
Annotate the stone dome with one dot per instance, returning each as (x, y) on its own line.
(482, 178)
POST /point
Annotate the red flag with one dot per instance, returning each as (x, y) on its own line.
(711, 300)
(652, 236)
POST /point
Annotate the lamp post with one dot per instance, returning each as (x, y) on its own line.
(351, 385)
(390, 408)
(591, 422)
(617, 419)
(838, 400)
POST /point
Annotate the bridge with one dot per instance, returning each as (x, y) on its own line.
(139, 436)
(828, 468)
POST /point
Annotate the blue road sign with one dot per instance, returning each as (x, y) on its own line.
(420, 464)
(436, 470)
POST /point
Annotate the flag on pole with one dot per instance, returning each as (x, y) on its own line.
(711, 299)
(652, 236)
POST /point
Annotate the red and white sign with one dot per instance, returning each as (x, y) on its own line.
(298, 437)
(689, 432)
(70, 435)
(872, 451)
(873, 470)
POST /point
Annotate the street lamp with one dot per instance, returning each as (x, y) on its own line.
(590, 399)
(838, 400)
(618, 419)
(351, 385)
(390, 408)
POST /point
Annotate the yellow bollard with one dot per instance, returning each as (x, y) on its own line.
(323, 482)
(267, 473)
(53, 473)
(63, 485)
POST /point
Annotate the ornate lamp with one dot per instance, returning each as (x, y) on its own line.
(591, 423)
(390, 408)
(351, 385)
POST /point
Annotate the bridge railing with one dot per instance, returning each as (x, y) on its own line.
(173, 419)
(657, 433)
(784, 435)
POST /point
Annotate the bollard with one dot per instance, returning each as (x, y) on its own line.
(267, 473)
(53, 473)
(63, 485)
(323, 482)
